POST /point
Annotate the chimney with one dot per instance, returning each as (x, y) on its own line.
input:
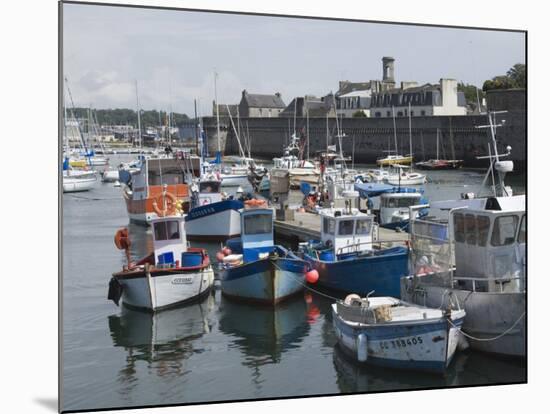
(278, 94)
(387, 69)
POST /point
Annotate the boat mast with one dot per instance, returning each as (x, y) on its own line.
(437, 145)
(394, 129)
(307, 127)
(410, 135)
(217, 110)
(138, 116)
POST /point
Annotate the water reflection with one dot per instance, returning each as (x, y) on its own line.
(264, 333)
(163, 340)
(467, 368)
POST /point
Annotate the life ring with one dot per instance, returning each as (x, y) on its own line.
(168, 201)
(122, 241)
(254, 202)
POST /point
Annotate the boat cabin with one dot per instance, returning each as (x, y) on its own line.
(256, 233)
(207, 192)
(347, 230)
(169, 241)
(489, 249)
(394, 207)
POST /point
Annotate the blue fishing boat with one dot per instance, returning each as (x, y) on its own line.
(253, 267)
(348, 258)
(388, 332)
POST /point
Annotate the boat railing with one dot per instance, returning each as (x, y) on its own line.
(354, 248)
(500, 282)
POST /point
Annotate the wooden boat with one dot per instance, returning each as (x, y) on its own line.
(211, 217)
(158, 185)
(349, 259)
(391, 333)
(255, 269)
(171, 275)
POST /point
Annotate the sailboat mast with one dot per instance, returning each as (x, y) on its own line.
(217, 110)
(394, 129)
(138, 115)
(410, 134)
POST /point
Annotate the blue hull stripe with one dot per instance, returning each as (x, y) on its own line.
(213, 208)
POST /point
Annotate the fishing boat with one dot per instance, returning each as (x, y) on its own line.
(254, 268)
(158, 185)
(478, 254)
(211, 217)
(349, 258)
(394, 207)
(172, 274)
(388, 332)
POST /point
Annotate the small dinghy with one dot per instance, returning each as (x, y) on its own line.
(388, 332)
(171, 275)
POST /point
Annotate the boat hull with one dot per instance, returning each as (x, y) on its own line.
(488, 315)
(164, 288)
(76, 184)
(234, 180)
(267, 281)
(423, 346)
(362, 275)
(406, 181)
(216, 221)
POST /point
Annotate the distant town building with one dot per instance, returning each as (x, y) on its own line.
(309, 106)
(257, 106)
(425, 100)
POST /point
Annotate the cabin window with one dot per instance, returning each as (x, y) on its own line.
(483, 225)
(167, 230)
(363, 227)
(470, 228)
(504, 230)
(209, 187)
(458, 220)
(345, 228)
(258, 224)
(328, 226)
(170, 176)
(522, 236)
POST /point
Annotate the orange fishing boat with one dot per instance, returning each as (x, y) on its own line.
(159, 187)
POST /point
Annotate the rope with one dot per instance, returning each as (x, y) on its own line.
(489, 339)
(309, 287)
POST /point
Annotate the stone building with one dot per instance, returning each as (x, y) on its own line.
(309, 106)
(441, 99)
(260, 106)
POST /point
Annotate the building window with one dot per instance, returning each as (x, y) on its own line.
(423, 113)
(400, 113)
(412, 113)
(377, 114)
(388, 113)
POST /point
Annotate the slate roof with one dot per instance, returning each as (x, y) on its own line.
(347, 87)
(263, 101)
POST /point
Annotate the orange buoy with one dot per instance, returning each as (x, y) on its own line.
(167, 203)
(312, 276)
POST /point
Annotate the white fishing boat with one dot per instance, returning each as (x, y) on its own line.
(171, 275)
(211, 217)
(76, 181)
(392, 333)
(478, 256)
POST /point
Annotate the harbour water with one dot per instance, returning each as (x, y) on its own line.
(216, 350)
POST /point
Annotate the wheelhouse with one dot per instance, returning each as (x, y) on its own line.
(256, 233)
(169, 240)
(346, 233)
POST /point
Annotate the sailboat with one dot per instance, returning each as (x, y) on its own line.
(438, 163)
(393, 159)
(403, 177)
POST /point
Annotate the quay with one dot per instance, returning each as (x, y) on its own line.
(307, 226)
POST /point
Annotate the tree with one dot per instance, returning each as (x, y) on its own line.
(514, 78)
(471, 93)
(359, 114)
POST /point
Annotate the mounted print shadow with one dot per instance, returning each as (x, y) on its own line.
(259, 206)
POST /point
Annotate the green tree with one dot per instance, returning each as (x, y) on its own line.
(471, 93)
(514, 78)
(359, 114)
(518, 74)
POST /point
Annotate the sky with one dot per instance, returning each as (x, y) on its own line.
(173, 55)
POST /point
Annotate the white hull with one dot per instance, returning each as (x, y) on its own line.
(158, 292)
(233, 180)
(109, 176)
(73, 184)
(407, 180)
(223, 224)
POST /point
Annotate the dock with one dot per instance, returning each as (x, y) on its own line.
(307, 226)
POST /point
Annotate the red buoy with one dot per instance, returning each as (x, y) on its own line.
(312, 276)
(220, 256)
